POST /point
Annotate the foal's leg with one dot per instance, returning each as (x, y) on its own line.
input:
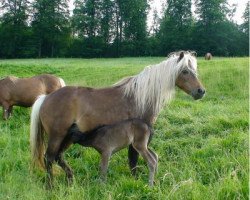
(133, 159)
(149, 158)
(151, 165)
(155, 157)
(105, 155)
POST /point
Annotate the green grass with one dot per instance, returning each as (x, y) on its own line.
(202, 145)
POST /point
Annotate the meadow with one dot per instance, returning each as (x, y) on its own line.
(202, 145)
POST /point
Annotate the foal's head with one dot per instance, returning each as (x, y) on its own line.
(187, 79)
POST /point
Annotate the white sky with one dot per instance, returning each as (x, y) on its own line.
(158, 4)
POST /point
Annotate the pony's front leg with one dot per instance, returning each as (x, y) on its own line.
(104, 165)
(10, 111)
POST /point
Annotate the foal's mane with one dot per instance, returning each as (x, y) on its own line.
(155, 85)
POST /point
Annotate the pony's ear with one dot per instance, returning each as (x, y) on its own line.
(193, 53)
(181, 56)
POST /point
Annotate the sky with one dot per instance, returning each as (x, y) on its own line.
(158, 4)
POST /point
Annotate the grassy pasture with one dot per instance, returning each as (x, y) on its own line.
(202, 145)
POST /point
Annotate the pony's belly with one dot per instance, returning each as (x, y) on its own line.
(88, 122)
(24, 104)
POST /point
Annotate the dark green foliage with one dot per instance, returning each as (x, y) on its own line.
(51, 27)
(115, 28)
(14, 31)
(245, 25)
(245, 28)
(91, 24)
(215, 33)
(133, 16)
(176, 26)
(86, 18)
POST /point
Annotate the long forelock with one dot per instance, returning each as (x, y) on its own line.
(187, 62)
(155, 85)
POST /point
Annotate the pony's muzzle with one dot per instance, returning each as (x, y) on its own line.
(198, 93)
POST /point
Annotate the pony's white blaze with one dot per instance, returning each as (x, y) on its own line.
(35, 125)
(155, 85)
(62, 82)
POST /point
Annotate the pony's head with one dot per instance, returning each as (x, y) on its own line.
(187, 78)
(155, 85)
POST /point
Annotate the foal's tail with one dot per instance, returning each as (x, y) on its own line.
(37, 133)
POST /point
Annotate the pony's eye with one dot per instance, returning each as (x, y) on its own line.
(185, 72)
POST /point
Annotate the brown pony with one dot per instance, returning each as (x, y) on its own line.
(208, 56)
(111, 138)
(24, 91)
(141, 96)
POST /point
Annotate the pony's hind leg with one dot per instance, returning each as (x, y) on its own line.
(48, 160)
(61, 162)
(50, 156)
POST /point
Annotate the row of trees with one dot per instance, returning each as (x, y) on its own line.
(113, 28)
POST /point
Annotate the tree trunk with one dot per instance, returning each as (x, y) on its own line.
(52, 50)
(40, 49)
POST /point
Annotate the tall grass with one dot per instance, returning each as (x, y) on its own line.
(202, 145)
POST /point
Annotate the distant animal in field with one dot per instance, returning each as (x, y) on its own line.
(208, 56)
(24, 91)
(141, 96)
(111, 138)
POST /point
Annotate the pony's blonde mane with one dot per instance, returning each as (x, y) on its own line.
(155, 85)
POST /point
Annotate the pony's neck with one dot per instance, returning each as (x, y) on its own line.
(153, 87)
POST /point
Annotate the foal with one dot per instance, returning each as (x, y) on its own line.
(111, 138)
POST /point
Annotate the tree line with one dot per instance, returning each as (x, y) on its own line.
(114, 28)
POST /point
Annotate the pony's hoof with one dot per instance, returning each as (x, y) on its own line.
(103, 180)
(70, 180)
(49, 186)
(151, 184)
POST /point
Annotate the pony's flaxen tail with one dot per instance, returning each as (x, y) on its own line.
(37, 133)
(62, 82)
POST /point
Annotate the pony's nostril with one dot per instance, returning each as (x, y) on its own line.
(201, 91)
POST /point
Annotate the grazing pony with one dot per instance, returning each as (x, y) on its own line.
(111, 138)
(24, 91)
(208, 56)
(141, 96)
